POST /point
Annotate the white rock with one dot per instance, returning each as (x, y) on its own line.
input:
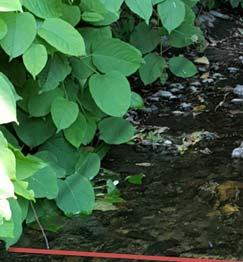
(238, 152)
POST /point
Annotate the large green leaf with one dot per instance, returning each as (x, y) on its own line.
(64, 113)
(56, 70)
(35, 59)
(115, 130)
(44, 183)
(21, 33)
(152, 69)
(71, 14)
(82, 68)
(7, 101)
(40, 104)
(9, 6)
(182, 67)
(76, 132)
(21, 189)
(143, 8)
(113, 54)
(44, 8)
(3, 29)
(76, 195)
(111, 92)
(88, 164)
(61, 35)
(34, 131)
(171, 13)
(145, 38)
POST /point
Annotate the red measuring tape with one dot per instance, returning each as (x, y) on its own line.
(110, 255)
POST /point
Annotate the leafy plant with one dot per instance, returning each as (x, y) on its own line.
(64, 91)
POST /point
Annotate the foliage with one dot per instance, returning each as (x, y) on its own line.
(64, 91)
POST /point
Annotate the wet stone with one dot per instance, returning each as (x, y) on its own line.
(238, 90)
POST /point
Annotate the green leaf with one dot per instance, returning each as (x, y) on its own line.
(136, 179)
(136, 101)
(64, 113)
(143, 8)
(114, 55)
(152, 69)
(112, 6)
(56, 70)
(71, 14)
(90, 130)
(182, 67)
(61, 35)
(44, 8)
(88, 165)
(171, 13)
(145, 38)
(35, 59)
(27, 166)
(7, 101)
(40, 104)
(21, 189)
(3, 29)
(111, 85)
(91, 17)
(15, 222)
(9, 6)
(76, 132)
(114, 130)
(44, 183)
(82, 68)
(20, 35)
(76, 195)
(34, 131)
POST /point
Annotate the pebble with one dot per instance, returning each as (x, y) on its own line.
(208, 81)
(217, 75)
(237, 100)
(151, 109)
(193, 89)
(178, 113)
(164, 94)
(196, 83)
(238, 152)
(238, 90)
(233, 69)
(167, 143)
(186, 106)
(173, 97)
(177, 85)
(219, 15)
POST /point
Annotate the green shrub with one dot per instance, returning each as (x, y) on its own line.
(64, 91)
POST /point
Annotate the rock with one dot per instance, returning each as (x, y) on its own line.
(196, 83)
(193, 89)
(238, 152)
(178, 113)
(217, 75)
(177, 85)
(208, 81)
(238, 90)
(167, 143)
(173, 97)
(151, 109)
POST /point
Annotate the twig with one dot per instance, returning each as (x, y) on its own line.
(40, 226)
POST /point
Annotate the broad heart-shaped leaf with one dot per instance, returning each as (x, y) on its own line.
(143, 8)
(34, 131)
(40, 104)
(115, 130)
(64, 113)
(114, 55)
(71, 14)
(15, 223)
(171, 13)
(76, 195)
(88, 165)
(56, 70)
(145, 38)
(76, 132)
(9, 6)
(61, 35)
(7, 101)
(152, 69)
(112, 6)
(3, 29)
(44, 8)
(67, 156)
(35, 59)
(82, 68)
(182, 67)
(44, 183)
(22, 30)
(111, 92)
(90, 130)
